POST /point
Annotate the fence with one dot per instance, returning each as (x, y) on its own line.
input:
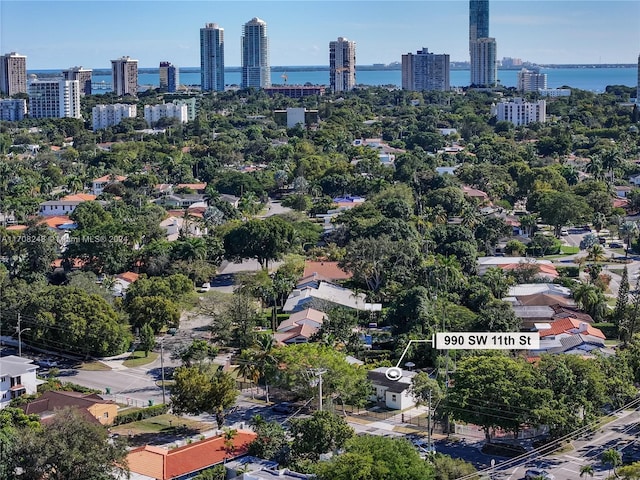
(131, 402)
(476, 431)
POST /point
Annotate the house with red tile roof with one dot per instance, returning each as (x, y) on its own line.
(65, 205)
(568, 326)
(98, 184)
(328, 270)
(158, 463)
(475, 193)
(94, 407)
(122, 282)
(196, 187)
(570, 336)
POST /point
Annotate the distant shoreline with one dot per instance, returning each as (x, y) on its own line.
(364, 68)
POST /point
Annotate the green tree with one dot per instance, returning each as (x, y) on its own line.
(370, 457)
(156, 311)
(217, 472)
(623, 298)
(562, 208)
(198, 352)
(612, 458)
(586, 471)
(203, 389)
(270, 442)
(69, 446)
(147, 339)
(424, 387)
(13, 423)
(448, 468)
(323, 432)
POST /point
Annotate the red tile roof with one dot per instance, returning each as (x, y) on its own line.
(17, 228)
(107, 178)
(79, 197)
(329, 270)
(55, 222)
(193, 186)
(164, 464)
(544, 268)
(128, 276)
(572, 326)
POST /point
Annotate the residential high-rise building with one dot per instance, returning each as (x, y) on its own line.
(531, 81)
(13, 74)
(212, 58)
(478, 20)
(124, 76)
(54, 98)
(168, 77)
(104, 116)
(519, 112)
(638, 91)
(482, 48)
(425, 71)
(256, 70)
(84, 77)
(342, 64)
(484, 65)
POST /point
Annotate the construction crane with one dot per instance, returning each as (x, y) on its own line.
(284, 77)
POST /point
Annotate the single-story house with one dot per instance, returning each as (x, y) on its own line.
(98, 184)
(122, 282)
(570, 336)
(328, 270)
(65, 205)
(547, 269)
(174, 225)
(475, 193)
(185, 462)
(180, 200)
(299, 327)
(328, 294)
(394, 394)
(94, 407)
(252, 468)
(196, 187)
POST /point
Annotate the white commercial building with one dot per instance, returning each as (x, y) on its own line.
(530, 81)
(342, 64)
(12, 109)
(153, 113)
(124, 75)
(105, 116)
(555, 92)
(56, 98)
(519, 112)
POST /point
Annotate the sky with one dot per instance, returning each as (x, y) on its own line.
(90, 33)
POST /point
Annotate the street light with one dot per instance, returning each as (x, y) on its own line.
(20, 340)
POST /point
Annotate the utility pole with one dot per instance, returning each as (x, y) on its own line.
(429, 424)
(20, 336)
(319, 372)
(162, 368)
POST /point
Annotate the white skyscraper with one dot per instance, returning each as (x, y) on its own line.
(529, 81)
(256, 70)
(104, 116)
(342, 64)
(212, 58)
(55, 98)
(124, 75)
(13, 74)
(425, 71)
(484, 63)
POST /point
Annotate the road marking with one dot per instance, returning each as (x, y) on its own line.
(575, 458)
(513, 473)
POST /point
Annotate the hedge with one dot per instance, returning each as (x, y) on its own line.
(129, 417)
(610, 330)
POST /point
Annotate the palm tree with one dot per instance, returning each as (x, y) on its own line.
(628, 230)
(610, 161)
(586, 470)
(612, 458)
(264, 359)
(596, 253)
(595, 167)
(247, 368)
(590, 299)
(528, 223)
(75, 184)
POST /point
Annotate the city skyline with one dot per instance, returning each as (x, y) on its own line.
(543, 31)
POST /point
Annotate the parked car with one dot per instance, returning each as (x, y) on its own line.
(284, 407)
(47, 363)
(616, 245)
(204, 288)
(564, 232)
(602, 240)
(538, 473)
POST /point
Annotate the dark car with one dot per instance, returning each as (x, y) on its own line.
(284, 407)
(616, 245)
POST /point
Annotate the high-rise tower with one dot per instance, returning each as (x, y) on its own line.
(168, 75)
(212, 58)
(342, 64)
(482, 48)
(83, 75)
(124, 75)
(256, 71)
(13, 74)
(425, 71)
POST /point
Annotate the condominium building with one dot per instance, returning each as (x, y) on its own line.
(13, 74)
(482, 48)
(168, 77)
(425, 71)
(105, 116)
(192, 106)
(519, 112)
(212, 58)
(638, 91)
(124, 76)
(256, 70)
(13, 109)
(342, 64)
(153, 113)
(54, 98)
(484, 65)
(84, 77)
(530, 81)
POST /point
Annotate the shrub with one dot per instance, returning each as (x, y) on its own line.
(129, 417)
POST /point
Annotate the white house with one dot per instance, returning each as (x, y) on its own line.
(635, 180)
(17, 377)
(65, 205)
(173, 226)
(329, 294)
(98, 184)
(395, 394)
(122, 281)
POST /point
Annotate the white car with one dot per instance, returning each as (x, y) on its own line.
(538, 474)
(205, 287)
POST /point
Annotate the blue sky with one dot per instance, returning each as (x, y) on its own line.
(59, 34)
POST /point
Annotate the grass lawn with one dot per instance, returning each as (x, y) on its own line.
(137, 359)
(167, 423)
(569, 250)
(94, 367)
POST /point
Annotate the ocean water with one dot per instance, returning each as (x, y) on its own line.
(592, 79)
